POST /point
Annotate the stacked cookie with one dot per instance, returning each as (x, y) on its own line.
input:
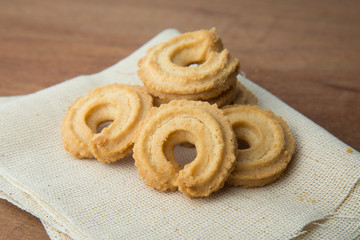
(187, 111)
(193, 66)
(214, 132)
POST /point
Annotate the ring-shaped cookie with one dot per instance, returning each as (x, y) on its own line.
(165, 69)
(198, 123)
(122, 105)
(270, 145)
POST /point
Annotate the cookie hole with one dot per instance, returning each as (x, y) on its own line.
(103, 125)
(184, 153)
(194, 54)
(242, 144)
(192, 65)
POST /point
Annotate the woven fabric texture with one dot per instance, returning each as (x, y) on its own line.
(318, 197)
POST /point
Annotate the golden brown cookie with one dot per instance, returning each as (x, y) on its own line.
(225, 98)
(179, 121)
(166, 72)
(235, 94)
(270, 145)
(122, 105)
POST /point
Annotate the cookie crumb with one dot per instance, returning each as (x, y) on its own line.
(349, 150)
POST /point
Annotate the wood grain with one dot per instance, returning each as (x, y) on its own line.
(305, 52)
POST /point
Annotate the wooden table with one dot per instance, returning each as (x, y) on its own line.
(305, 52)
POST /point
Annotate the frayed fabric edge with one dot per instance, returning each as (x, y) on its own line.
(321, 223)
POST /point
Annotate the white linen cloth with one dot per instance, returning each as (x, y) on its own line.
(318, 198)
